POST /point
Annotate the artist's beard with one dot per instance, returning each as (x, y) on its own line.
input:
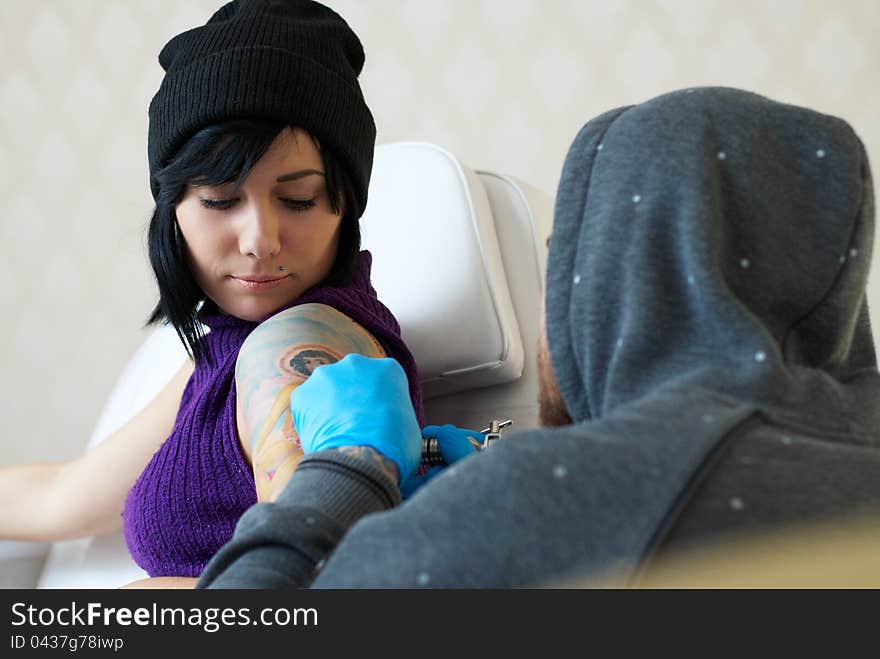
(552, 410)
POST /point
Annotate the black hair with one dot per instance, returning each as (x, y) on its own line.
(218, 154)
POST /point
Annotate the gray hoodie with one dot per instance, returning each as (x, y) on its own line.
(708, 326)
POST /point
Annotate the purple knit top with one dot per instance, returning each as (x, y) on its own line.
(185, 504)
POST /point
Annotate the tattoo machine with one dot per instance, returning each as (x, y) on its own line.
(431, 450)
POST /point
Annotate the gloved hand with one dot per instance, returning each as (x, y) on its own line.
(454, 443)
(414, 482)
(359, 401)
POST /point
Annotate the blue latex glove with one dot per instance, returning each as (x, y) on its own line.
(359, 401)
(414, 482)
(454, 443)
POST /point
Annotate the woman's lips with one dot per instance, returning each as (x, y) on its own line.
(258, 284)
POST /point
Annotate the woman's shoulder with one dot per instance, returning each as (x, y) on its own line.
(311, 312)
(312, 330)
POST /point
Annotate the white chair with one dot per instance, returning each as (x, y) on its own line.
(458, 255)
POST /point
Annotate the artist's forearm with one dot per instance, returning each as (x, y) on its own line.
(386, 465)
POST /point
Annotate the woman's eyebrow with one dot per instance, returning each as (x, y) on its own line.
(300, 174)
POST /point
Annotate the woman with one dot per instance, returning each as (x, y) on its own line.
(260, 152)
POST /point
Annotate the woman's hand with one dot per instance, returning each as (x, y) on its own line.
(163, 582)
(359, 401)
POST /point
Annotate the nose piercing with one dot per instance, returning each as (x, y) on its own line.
(281, 268)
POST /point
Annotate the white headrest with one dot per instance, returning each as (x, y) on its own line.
(438, 267)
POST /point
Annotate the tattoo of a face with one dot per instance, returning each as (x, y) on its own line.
(302, 359)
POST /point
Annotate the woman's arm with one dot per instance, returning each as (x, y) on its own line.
(59, 501)
(361, 436)
(275, 359)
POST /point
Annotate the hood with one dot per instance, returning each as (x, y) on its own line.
(715, 238)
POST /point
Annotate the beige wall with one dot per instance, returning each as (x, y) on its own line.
(505, 84)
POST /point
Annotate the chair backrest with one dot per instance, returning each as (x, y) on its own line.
(458, 255)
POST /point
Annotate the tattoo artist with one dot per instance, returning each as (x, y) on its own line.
(707, 370)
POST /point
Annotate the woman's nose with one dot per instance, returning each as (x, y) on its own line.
(260, 236)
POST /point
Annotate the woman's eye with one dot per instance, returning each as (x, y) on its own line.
(217, 204)
(226, 204)
(300, 204)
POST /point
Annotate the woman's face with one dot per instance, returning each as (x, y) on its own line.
(280, 217)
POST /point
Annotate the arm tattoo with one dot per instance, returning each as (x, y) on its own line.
(371, 455)
(276, 358)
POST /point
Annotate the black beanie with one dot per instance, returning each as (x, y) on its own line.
(291, 60)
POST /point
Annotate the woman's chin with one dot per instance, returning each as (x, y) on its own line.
(256, 311)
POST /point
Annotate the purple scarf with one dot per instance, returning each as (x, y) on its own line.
(185, 504)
